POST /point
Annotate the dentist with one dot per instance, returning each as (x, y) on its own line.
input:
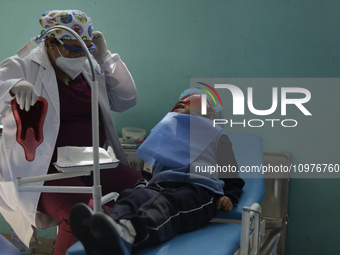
(59, 71)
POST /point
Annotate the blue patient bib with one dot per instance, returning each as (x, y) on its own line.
(178, 142)
(178, 139)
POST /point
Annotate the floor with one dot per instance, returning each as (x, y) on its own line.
(45, 249)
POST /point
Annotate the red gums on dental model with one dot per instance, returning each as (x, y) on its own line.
(30, 126)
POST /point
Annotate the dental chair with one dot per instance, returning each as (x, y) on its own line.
(237, 232)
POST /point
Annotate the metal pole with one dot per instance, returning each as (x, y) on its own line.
(95, 119)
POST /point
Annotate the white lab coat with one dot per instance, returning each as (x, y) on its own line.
(116, 91)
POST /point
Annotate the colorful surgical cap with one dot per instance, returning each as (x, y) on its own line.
(76, 20)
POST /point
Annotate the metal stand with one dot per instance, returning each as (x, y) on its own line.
(96, 188)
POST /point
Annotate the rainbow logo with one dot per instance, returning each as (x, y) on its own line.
(209, 93)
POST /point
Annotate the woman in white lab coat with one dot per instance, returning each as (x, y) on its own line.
(39, 74)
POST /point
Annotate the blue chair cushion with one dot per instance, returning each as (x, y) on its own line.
(214, 238)
(76, 249)
(7, 248)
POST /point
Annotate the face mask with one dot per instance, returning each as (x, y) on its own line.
(71, 66)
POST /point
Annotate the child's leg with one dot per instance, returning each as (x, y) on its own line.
(162, 210)
(116, 180)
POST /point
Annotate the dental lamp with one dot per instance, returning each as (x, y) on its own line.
(23, 51)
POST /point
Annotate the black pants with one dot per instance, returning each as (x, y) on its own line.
(161, 210)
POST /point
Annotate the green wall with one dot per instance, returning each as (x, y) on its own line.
(165, 43)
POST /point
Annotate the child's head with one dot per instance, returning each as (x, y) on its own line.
(191, 103)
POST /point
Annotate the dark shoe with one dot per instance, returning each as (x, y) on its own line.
(80, 225)
(114, 238)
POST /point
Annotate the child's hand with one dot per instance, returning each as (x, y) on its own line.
(225, 204)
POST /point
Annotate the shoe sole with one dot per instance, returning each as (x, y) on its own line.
(104, 231)
(80, 225)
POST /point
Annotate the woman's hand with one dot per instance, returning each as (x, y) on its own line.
(25, 94)
(100, 53)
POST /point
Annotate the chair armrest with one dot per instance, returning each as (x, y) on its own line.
(251, 230)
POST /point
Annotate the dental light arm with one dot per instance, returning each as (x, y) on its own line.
(23, 51)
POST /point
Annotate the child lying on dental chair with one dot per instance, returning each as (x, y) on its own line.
(181, 196)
